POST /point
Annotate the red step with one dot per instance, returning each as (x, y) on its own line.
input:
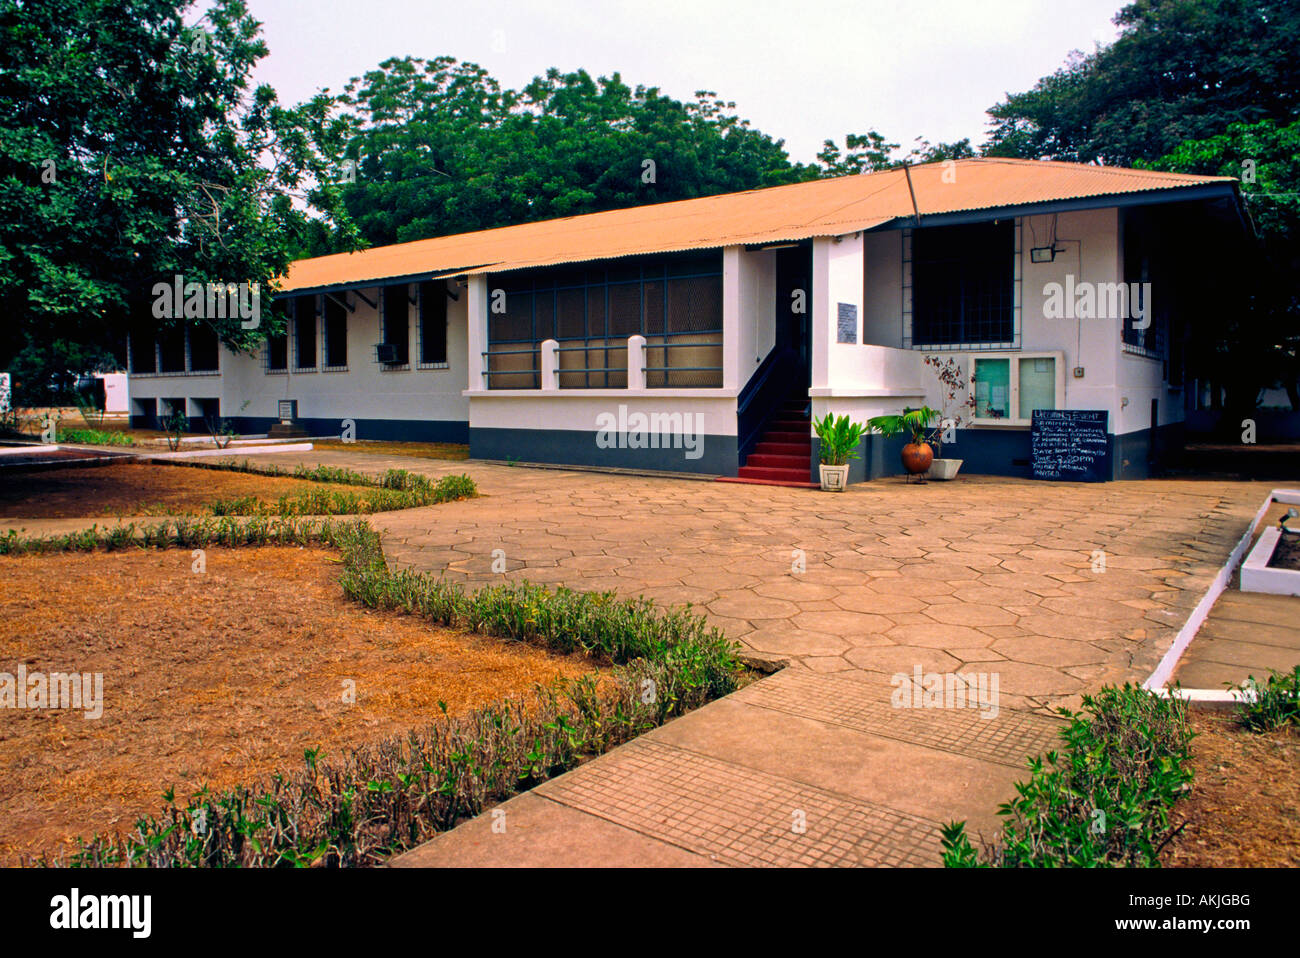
(781, 456)
(788, 437)
(769, 482)
(760, 472)
(777, 462)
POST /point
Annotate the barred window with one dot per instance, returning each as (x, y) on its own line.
(963, 284)
(336, 334)
(1148, 319)
(591, 310)
(144, 359)
(203, 349)
(397, 322)
(304, 332)
(433, 323)
(171, 350)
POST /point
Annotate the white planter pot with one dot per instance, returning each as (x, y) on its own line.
(834, 478)
(944, 468)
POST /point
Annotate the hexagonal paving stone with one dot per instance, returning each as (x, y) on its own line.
(782, 640)
(892, 660)
(747, 605)
(943, 571)
(1019, 678)
(795, 589)
(1103, 609)
(967, 613)
(1042, 650)
(843, 623)
(857, 599)
(937, 636)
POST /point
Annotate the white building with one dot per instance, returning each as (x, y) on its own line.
(699, 336)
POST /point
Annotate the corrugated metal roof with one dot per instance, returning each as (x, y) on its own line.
(780, 213)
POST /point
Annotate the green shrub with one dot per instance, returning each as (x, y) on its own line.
(95, 437)
(1276, 703)
(396, 489)
(183, 533)
(1104, 800)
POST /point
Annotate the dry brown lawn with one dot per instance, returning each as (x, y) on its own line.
(214, 678)
(135, 489)
(1244, 809)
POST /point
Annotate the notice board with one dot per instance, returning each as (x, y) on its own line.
(1070, 445)
(846, 323)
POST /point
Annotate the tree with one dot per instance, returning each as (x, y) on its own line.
(440, 148)
(1180, 70)
(133, 151)
(1265, 156)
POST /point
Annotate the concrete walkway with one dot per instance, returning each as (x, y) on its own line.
(1246, 633)
(1055, 589)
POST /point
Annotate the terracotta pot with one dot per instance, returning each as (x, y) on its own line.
(917, 457)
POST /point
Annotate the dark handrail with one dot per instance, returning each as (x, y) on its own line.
(762, 396)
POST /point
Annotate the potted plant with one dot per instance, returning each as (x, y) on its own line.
(958, 400)
(917, 453)
(838, 441)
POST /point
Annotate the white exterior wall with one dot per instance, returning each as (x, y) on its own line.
(864, 378)
(1093, 253)
(365, 390)
(748, 311)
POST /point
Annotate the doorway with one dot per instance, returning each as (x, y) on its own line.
(793, 308)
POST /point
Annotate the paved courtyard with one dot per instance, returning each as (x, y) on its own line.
(1054, 589)
(1061, 587)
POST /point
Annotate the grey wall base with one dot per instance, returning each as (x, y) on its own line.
(379, 430)
(988, 452)
(568, 447)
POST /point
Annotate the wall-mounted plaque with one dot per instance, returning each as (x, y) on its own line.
(846, 325)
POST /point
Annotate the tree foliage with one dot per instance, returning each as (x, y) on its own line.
(441, 147)
(1265, 156)
(1180, 70)
(135, 149)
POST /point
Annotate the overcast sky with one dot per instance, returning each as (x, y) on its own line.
(802, 71)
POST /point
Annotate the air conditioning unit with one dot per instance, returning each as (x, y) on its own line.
(387, 353)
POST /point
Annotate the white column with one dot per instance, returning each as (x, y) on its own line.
(731, 317)
(476, 319)
(550, 365)
(837, 278)
(636, 362)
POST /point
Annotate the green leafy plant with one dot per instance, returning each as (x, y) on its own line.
(915, 422)
(95, 437)
(838, 439)
(1270, 706)
(221, 430)
(175, 427)
(1104, 800)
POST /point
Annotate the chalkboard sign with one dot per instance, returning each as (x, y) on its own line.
(1070, 445)
(847, 323)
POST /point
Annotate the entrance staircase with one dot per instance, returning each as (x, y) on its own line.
(783, 452)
